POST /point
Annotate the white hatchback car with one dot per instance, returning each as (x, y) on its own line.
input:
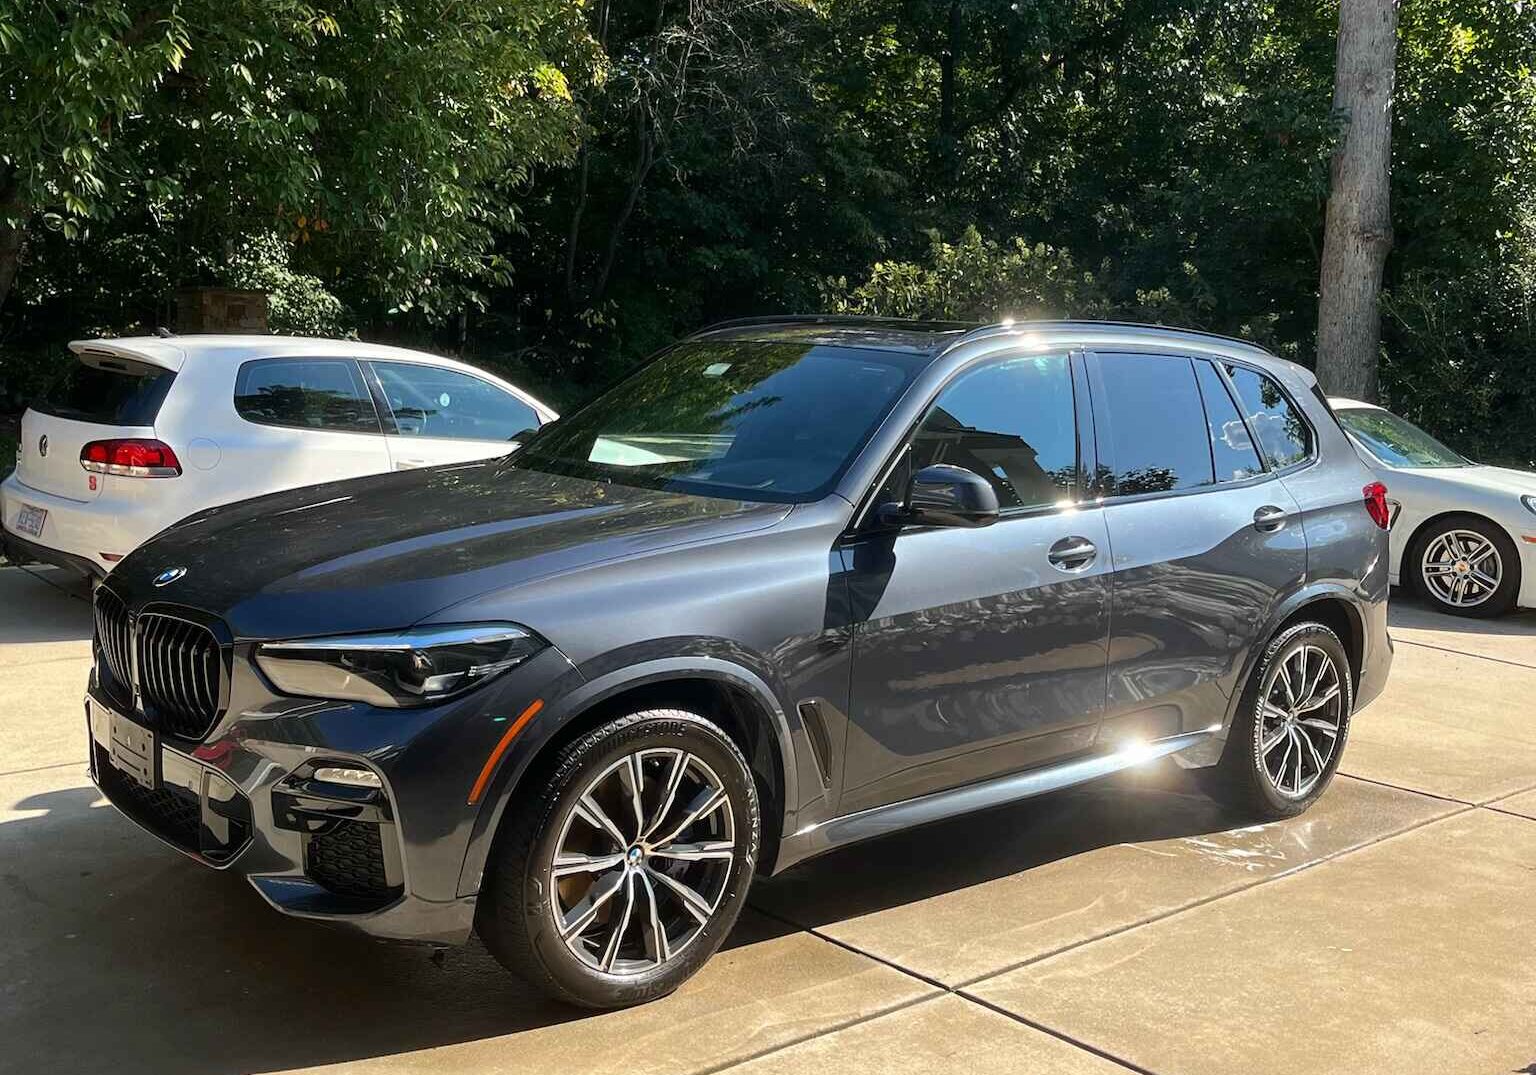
(1465, 534)
(142, 432)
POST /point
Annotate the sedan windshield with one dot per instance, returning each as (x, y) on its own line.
(1396, 441)
(776, 422)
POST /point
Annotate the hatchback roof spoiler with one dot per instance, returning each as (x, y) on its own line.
(148, 350)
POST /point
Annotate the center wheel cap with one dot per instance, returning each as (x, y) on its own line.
(634, 856)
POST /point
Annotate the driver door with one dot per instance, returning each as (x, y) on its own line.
(433, 415)
(979, 652)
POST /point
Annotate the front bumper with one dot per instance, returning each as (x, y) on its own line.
(384, 861)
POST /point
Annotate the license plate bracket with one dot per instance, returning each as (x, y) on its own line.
(30, 520)
(132, 750)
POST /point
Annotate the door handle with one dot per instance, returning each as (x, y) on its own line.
(1268, 519)
(1072, 553)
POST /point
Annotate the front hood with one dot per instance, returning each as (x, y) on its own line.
(386, 551)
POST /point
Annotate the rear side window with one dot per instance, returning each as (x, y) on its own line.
(306, 393)
(1283, 434)
(1157, 432)
(1013, 423)
(429, 401)
(1232, 448)
(116, 393)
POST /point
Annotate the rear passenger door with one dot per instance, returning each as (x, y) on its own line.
(436, 415)
(303, 421)
(1204, 540)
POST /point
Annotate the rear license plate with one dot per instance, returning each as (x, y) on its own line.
(132, 749)
(29, 520)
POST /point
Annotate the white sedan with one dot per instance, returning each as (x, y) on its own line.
(142, 432)
(1465, 534)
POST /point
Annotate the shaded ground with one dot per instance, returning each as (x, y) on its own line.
(1124, 926)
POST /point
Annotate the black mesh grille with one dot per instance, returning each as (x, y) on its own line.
(349, 860)
(178, 674)
(114, 640)
(172, 812)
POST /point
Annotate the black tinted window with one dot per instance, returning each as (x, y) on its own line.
(1282, 433)
(1231, 447)
(1157, 439)
(428, 401)
(756, 420)
(119, 393)
(308, 393)
(1013, 423)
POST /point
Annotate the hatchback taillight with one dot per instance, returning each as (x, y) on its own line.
(1376, 504)
(130, 458)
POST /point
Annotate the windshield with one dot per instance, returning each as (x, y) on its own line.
(776, 421)
(1396, 441)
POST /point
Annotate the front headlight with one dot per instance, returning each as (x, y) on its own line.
(398, 668)
(1530, 503)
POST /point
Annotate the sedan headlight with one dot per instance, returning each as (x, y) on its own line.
(1529, 502)
(399, 668)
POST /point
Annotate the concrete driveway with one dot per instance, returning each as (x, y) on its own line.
(1125, 926)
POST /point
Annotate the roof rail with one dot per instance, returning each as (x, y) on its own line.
(981, 331)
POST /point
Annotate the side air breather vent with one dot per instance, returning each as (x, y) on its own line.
(816, 735)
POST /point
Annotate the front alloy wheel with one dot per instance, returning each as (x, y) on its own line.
(1468, 567)
(617, 874)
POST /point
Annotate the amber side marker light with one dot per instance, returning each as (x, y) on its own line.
(501, 748)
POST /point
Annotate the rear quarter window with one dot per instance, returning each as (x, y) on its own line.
(1281, 431)
(115, 393)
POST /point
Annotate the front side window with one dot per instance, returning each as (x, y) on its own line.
(306, 393)
(1157, 435)
(1396, 441)
(753, 420)
(429, 401)
(1012, 422)
(1232, 448)
(1282, 433)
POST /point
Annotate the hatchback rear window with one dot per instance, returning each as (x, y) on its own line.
(120, 393)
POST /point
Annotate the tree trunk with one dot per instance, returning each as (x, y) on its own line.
(12, 238)
(1358, 231)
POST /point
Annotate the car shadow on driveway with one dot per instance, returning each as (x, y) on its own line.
(119, 955)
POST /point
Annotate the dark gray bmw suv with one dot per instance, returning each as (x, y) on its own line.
(796, 583)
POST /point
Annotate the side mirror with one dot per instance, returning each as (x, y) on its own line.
(945, 495)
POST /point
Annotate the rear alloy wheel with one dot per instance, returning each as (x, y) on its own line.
(619, 876)
(1468, 567)
(1293, 720)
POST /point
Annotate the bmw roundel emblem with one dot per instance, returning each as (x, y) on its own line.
(169, 575)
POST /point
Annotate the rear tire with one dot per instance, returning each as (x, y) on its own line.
(619, 873)
(1292, 723)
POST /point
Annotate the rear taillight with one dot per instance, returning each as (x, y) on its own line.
(1376, 504)
(130, 458)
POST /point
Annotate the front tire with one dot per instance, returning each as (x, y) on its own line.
(1289, 734)
(1466, 566)
(619, 874)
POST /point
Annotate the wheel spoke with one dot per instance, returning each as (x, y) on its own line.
(616, 938)
(1269, 745)
(581, 916)
(713, 849)
(1437, 570)
(588, 810)
(659, 947)
(706, 802)
(1319, 700)
(573, 862)
(696, 904)
(1285, 682)
(1296, 787)
(1320, 725)
(1480, 553)
(669, 792)
(1317, 759)
(633, 779)
(1487, 581)
(1285, 759)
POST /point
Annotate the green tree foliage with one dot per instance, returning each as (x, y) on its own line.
(557, 187)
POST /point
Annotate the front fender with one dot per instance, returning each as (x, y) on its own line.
(559, 712)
